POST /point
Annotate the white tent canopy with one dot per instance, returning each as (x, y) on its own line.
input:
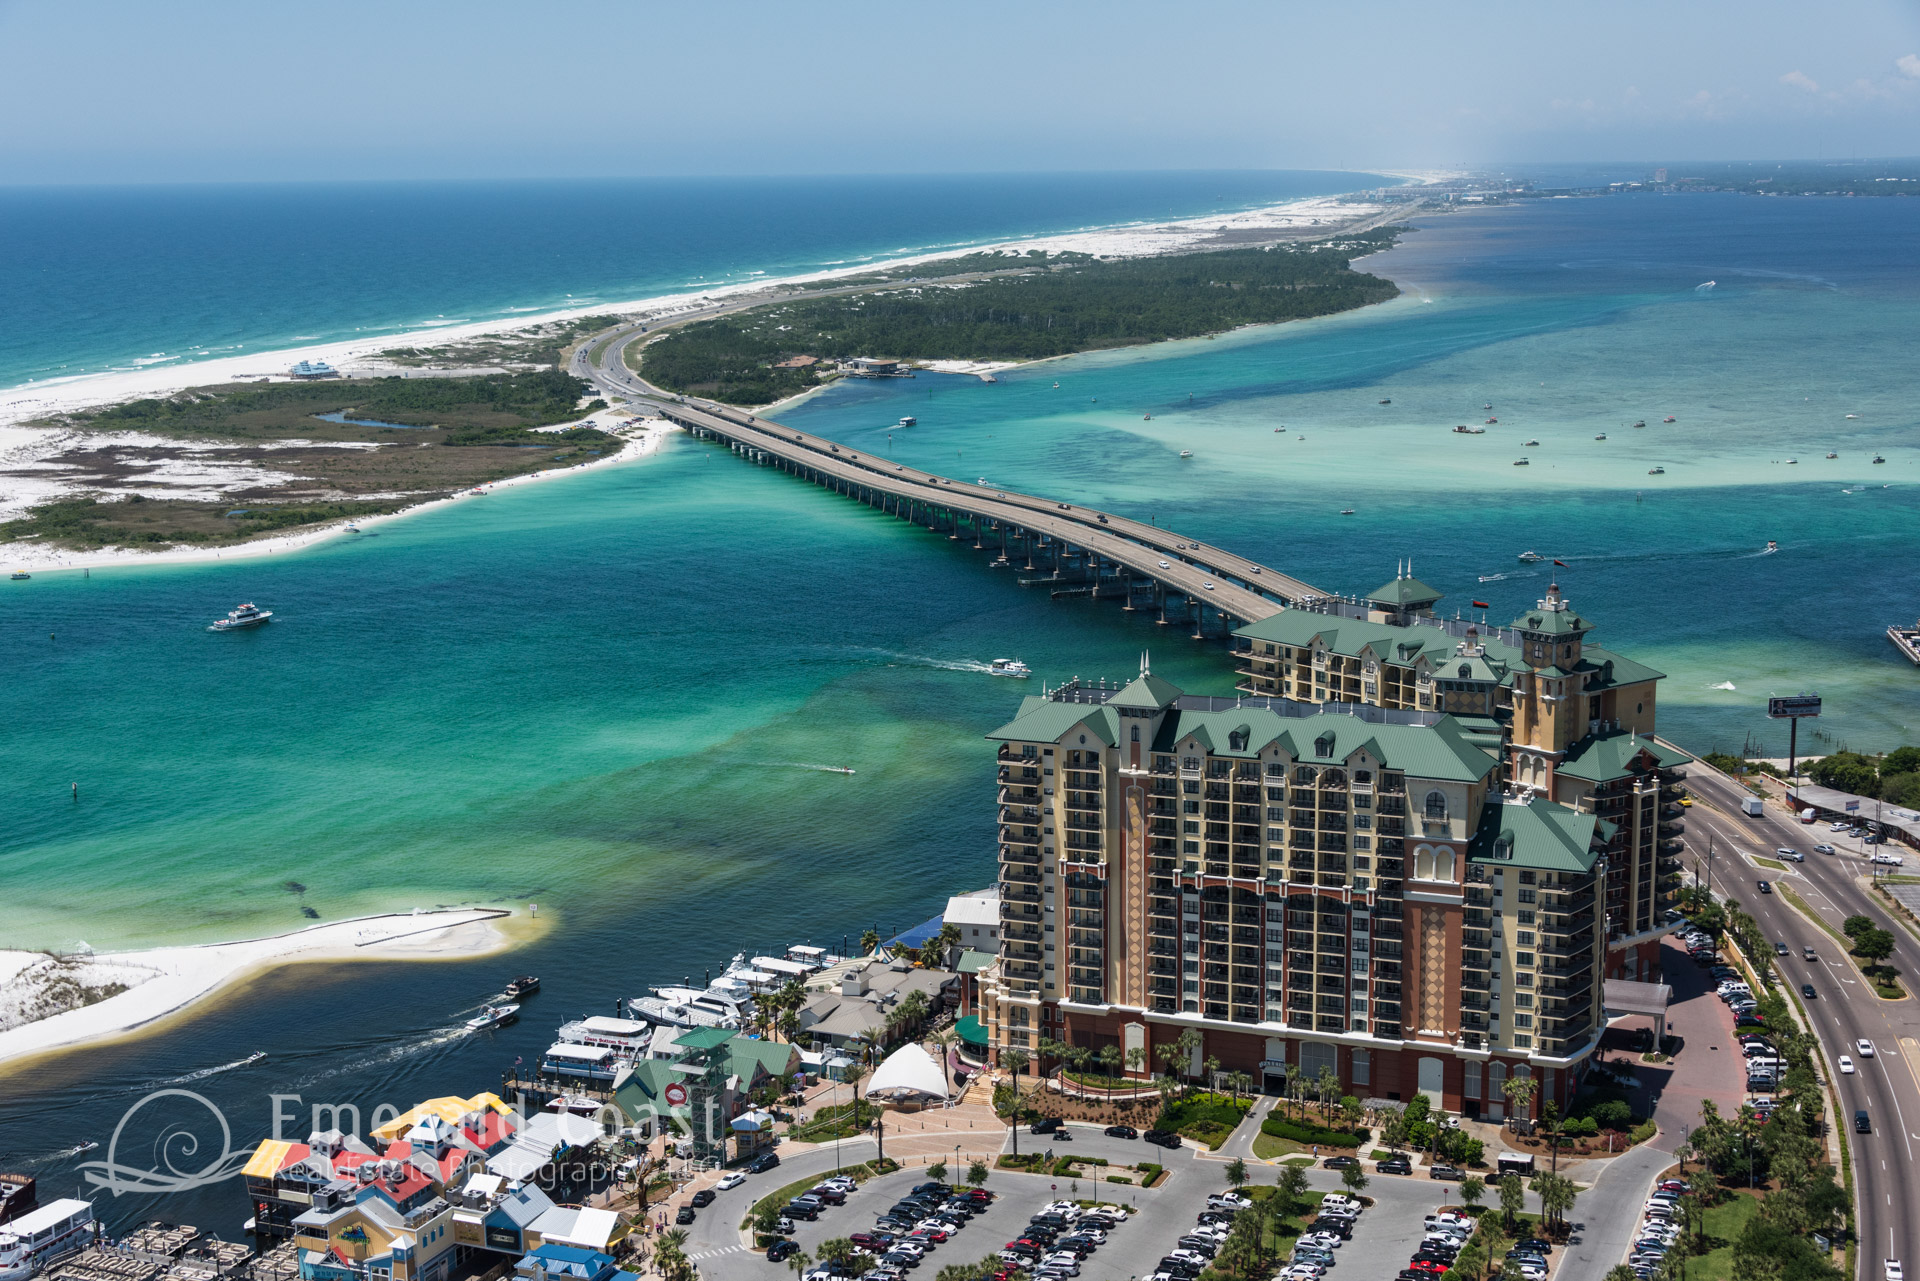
(908, 1070)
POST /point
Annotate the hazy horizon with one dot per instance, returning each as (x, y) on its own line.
(104, 91)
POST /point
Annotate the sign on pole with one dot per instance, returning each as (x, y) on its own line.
(676, 1094)
(1853, 807)
(1783, 707)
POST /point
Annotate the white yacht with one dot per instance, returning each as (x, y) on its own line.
(1010, 667)
(248, 615)
(492, 1017)
(39, 1238)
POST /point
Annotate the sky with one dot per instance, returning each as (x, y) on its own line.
(108, 91)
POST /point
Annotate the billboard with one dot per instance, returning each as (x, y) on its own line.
(1781, 707)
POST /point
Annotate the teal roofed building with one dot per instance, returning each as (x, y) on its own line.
(1318, 871)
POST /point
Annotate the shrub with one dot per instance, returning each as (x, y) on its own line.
(1281, 1128)
(1118, 1178)
(1150, 1173)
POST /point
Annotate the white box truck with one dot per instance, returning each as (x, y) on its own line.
(1752, 806)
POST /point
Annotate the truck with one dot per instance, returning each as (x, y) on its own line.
(1752, 806)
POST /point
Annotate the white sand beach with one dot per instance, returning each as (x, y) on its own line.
(165, 981)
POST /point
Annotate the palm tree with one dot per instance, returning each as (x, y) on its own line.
(1212, 1069)
(1513, 1199)
(1136, 1058)
(799, 1261)
(1520, 1091)
(869, 942)
(944, 1038)
(1110, 1059)
(1015, 1062)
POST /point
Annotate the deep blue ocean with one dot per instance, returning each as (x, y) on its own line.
(614, 691)
(103, 278)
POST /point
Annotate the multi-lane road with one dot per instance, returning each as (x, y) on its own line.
(1845, 1009)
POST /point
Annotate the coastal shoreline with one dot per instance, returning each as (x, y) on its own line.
(42, 559)
(171, 984)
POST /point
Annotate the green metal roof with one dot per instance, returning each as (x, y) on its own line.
(1601, 758)
(1551, 622)
(703, 1038)
(1440, 751)
(1539, 834)
(971, 1031)
(1146, 691)
(1624, 672)
(744, 1053)
(973, 962)
(640, 1095)
(1405, 593)
(1042, 720)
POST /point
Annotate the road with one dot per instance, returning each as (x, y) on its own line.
(1224, 581)
(1846, 1010)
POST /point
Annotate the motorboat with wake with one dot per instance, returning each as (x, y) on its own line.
(525, 985)
(1009, 667)
(248, 615)
(493, 1016)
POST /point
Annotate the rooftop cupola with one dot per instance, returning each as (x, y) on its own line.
(1403, 599)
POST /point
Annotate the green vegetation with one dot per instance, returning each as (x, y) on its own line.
(837, 1121)
(1305, 1134)
(545, 345)
(1893, 778)
(1205, 1118)
(1871, 946)
(137, 522)
(1057, 307)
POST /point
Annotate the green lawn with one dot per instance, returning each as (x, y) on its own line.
(1267, 1146)
(1724, 1225)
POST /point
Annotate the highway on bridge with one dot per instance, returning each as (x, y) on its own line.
(1211, 577)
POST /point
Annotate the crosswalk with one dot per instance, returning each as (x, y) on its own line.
(714, 1254)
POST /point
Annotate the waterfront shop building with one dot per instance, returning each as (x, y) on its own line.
(1408, 852)
(365, 1231)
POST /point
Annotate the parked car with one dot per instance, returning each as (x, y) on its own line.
(1452, 1172)
(730, 1180)
(1122, 1132)
(703, 1198)
(1395, 1165)
(782, 1249)
(685, 1216)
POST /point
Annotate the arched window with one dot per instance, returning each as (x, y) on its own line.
(1443, 864)
(1423, 863)
(1303, 776)
(1323, 746)
(1437, 805)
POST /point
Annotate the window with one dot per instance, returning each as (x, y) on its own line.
(1523, 938)
(1526, 876)
(1136, 733)
(1525, 918)
(1523, 1020)
(1362, 1068)
(1437, 805)
(1528, 896)
(1523, 958)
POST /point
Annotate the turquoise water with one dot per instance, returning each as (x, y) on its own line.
(613, 692)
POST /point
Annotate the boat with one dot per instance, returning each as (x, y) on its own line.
(1147, 418)
(248, 615)
(1831, 454)
(1853, 415)
(1386, 402)
(1056, 386)
(1521, 462)
(1531, 558)
(1772, 547)
(17, 1195)
(1465, 430)
(1601, 436)
(40, 1238)
(1641, 423)
(492, 1017)
(1907, 641)
(1530, 443)
(1346, 511)
(1656, 471)
(1878, 459)
(1667, 419)
(839, 769)
(1488, 405)
(909, 421)
(1010, 667)
(1792, 461)
(20, 575)
(1493, 420)
(1186, 453)
(525, 985)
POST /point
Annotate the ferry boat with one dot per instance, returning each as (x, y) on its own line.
(248, 615)
(1641, 423)
(1531, 558)
(1667, 419)
(1521, 462)
(629, 1037)
(909, 421)
(1601, 436)
(20, 575)
(492, 1017)
(1465, 430)
(39, 1238)
(1530, 443)
(525, 985)
(1907, 641)
(1656, 471)
(1010, 667)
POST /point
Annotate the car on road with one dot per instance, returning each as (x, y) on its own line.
(1865, 1047)
(1861, 1123)
(1823, 849)
(1045, 1125)
(782, 1249)
(703, 1198)
(1806, 990)
(1122, 1132)
(1452, 1172)
(1162, 1138)
(1886, 860)
(1340, 1162)
(730, 1180)
(762, 1163)
(1809, 953)
(1792, 856)
(1395, 1165)
(685, 1216)
(1846, 1066)
(1893, 1270)
(1164, 565)
(1766, 887)
(1781, 949)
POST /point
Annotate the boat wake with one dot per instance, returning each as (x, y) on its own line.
(64, 1154)
(204, 1073)
(808, 765)
(1722, 685)
(388, 1055)
(1491, 578)
(939, 664)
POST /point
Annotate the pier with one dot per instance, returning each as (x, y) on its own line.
(1071, 550)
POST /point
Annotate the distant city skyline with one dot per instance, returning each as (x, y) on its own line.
(217, 90)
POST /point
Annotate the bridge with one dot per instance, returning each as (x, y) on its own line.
(1073, 550)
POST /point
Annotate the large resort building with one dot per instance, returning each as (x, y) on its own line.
(1409, 851)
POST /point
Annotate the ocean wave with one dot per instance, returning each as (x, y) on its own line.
(1722, 685)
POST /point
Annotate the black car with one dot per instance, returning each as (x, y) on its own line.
(893, 1223)
(762, 1163)
(1341, 1228)
(782, 1249)
(1536, 1245)
(944, 1189)
(1340, 1162)
(1861, 1123)
(685, 1216)
(798, 1209)
(703, 1198)
(1162, 1138)
(1806, 990)
(1765, 888)
(1122, 1132)
(1453, 1172)
(1045, 1125)
(1395, 1165)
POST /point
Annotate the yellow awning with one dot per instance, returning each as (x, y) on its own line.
(449, 1109)
(267, 1159)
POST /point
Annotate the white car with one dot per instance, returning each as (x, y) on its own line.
(1164, 565)
(1886, 860)
(1865, 1047)
(1065, 1261)
(1227, 1201)
(730, 1180)
(1325, 1240)
(1894, 1271)
(1846, 1066)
